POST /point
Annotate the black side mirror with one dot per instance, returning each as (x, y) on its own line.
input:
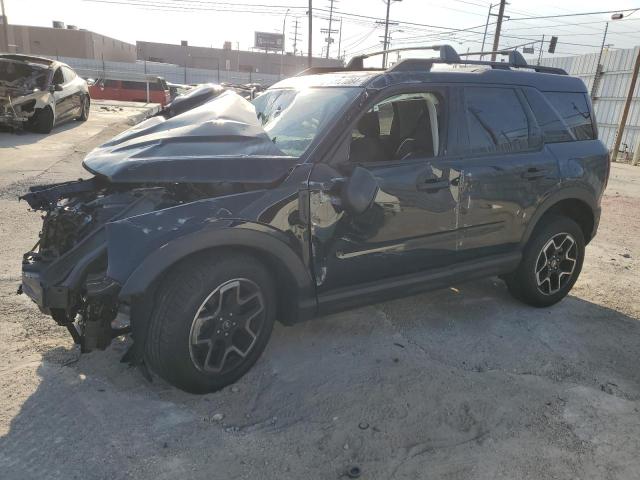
(359, 192)
(55, 88)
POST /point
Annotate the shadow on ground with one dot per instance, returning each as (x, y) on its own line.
(10, 138)
(458, 383)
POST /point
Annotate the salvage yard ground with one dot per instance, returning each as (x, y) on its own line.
(459, 383)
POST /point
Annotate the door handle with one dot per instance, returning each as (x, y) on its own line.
(432, 185)
(534, 173)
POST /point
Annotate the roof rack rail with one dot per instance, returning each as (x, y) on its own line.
(448, 56)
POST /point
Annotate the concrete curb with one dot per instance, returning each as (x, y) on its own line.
(148, 110)
(143, 110)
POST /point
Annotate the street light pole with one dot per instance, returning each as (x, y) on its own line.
(284, 24)
(386, 35)
(5, 26)
(486, 26)
(309, 53)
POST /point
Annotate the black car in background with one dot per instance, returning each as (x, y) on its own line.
(331, 189)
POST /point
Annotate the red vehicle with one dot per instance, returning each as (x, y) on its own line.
(151, 89)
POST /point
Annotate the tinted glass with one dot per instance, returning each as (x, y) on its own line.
(496, 120)
(553, 129)
(574, 110)
(58, 79)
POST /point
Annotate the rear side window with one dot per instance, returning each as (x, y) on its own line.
(68, 74)
(496, 120)
(574, 110)
(553, 128)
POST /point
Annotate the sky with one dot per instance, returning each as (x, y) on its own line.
(460, 23)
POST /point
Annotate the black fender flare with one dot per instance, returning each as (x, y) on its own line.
(564, 193)
(240, 236)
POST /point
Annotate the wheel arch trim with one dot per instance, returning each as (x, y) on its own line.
(261, 242)
(566, 193)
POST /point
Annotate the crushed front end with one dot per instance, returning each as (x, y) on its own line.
(64, 273)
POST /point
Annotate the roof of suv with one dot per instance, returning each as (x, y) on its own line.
(381, 79)
(450, 68)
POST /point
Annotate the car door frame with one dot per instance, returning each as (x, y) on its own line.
(505, 233)
(337, 157)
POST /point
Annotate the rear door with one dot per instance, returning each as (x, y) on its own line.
(507, 170)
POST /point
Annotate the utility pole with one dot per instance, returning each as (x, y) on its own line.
(5, 26)
(625, 110)
(310, 13)
(329, 39)
(541, 46)
(496, 37)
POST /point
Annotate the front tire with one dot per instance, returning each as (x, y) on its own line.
(212, 320)
(551, 263)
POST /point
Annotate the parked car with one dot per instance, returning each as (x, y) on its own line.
(177, 89)
(39, 93)
(150, 89)
(330, 190)
(190, 99)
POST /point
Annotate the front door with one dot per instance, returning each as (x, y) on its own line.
(412, 224)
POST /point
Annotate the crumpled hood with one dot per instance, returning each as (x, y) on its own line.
(220, 141)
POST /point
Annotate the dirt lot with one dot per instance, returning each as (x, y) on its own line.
(458, 383)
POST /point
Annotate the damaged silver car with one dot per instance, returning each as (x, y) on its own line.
(38, 93)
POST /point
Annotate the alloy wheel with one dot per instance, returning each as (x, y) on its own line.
(556, 263)
(226, 326)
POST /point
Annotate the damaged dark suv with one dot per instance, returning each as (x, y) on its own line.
(330, 190)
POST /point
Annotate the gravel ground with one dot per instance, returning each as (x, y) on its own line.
(455, 384)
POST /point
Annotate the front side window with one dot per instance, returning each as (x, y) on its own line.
(496, 120)
(574, 110)
(401, 127)
(293, 118)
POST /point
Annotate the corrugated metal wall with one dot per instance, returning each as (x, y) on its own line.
(89, 68)
(611, 92)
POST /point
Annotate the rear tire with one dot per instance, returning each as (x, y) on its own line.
(42, 121)
(551, 263)
(212, 319)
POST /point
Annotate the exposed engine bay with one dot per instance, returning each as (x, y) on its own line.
(75, 214)
(23, 88)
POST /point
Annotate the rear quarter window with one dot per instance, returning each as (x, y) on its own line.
(574, 110)
(554, 129)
